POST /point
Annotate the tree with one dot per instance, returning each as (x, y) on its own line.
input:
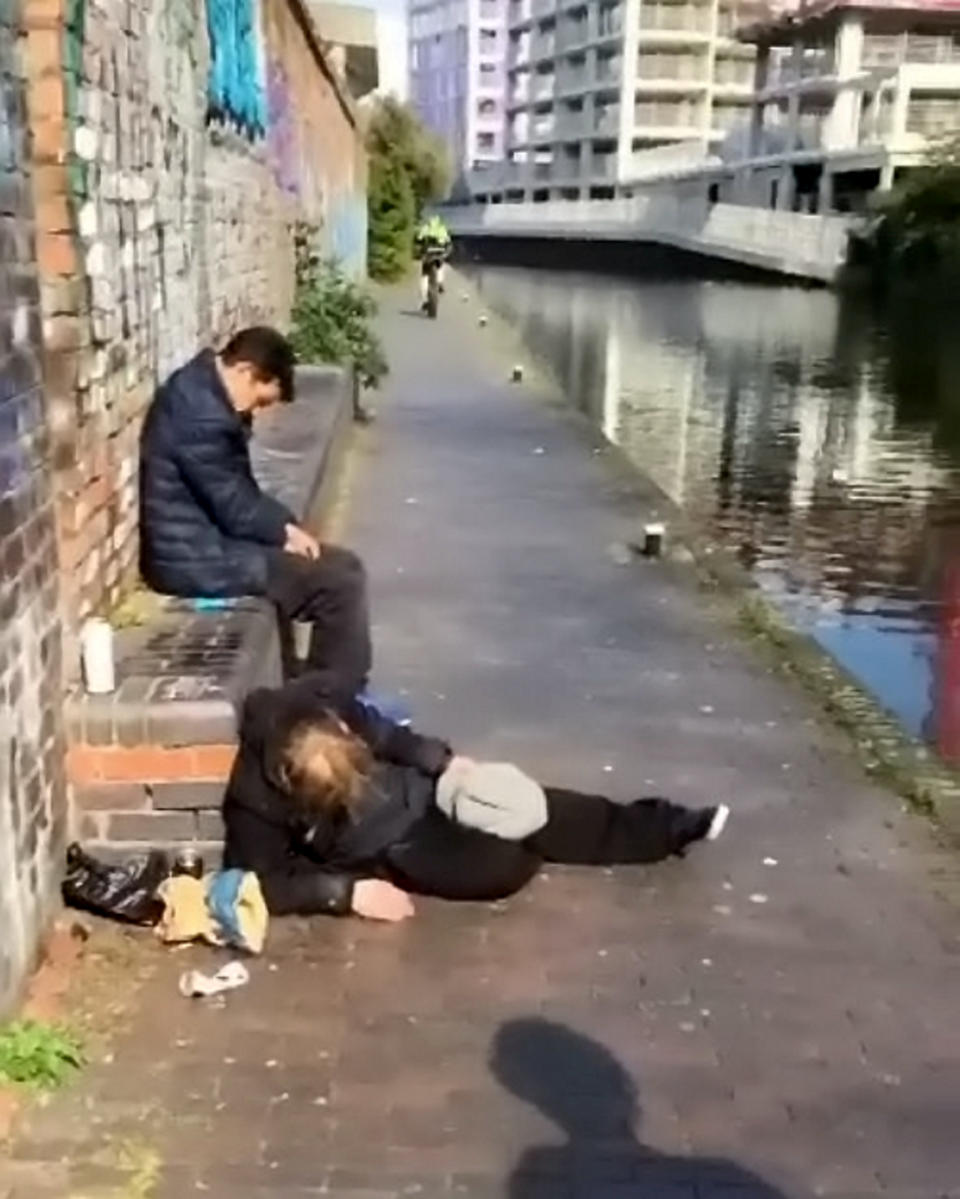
(396, 131)
(408, 171)
(920, 226)
(391, 216)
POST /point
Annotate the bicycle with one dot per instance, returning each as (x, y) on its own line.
(432, 262)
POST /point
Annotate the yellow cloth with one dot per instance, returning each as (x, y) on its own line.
(191, 912)
(185, 915)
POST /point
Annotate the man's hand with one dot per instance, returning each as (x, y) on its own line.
(301, 543)
(376, 899)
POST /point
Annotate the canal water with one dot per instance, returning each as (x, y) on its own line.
(816, 436)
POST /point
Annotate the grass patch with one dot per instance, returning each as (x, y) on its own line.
(39, 1056)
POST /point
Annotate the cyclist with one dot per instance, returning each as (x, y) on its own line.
(432, 245)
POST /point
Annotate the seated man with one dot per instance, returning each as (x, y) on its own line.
(207, 529)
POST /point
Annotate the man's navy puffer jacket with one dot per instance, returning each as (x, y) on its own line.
(205, 524)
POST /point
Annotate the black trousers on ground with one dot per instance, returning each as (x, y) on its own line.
(445, 859)
(330, 592)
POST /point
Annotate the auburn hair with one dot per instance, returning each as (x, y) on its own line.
(324, 766)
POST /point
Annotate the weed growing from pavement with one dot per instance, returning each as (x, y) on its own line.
(37, 1055)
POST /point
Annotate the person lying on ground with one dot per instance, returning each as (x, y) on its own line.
(206, 527)
(339, 810)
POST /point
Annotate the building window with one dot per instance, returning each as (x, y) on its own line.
(487, 108)
(486, 142)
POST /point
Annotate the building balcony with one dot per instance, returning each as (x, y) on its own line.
(519, 12)
(726, 90)
(572, 82)
(681, 119)
(609, 71)
(603, 167)
(541, 132)
(572, 127)
(498, 176)
(815, 70)
(606, 124)
(573, 37)
(656, 134)
(661, 160)
(670, 87)
(672, 24)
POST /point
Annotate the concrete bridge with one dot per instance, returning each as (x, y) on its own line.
(784, 243)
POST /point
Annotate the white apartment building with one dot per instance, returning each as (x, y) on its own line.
(457, 52)
(599, 92)
(849, 93)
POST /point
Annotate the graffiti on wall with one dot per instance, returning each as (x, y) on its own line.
(282, 141)
(346, 233)
(235, 93)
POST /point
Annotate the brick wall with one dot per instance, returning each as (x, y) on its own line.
(164, 223)
(145, 210)
(32, 793)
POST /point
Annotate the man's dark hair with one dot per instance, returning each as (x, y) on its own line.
(268, 352)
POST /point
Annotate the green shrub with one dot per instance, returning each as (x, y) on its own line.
(42, 1056)
(332, 317)
(397, 133)
(919, 233)
(390, 210)
(408, 171)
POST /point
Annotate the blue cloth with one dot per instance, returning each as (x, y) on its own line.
(222, 895)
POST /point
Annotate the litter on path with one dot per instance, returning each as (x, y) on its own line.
(196, 984)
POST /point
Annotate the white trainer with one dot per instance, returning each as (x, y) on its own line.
(719, 822)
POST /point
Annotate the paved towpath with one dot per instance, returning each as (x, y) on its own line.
(774, 1017)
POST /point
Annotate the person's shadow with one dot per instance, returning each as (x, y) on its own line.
(582, 1087)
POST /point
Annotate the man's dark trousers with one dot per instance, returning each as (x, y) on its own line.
(331, 592)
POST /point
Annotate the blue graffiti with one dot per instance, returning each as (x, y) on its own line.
(235, 91)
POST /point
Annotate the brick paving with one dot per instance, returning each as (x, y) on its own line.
(772, 1017)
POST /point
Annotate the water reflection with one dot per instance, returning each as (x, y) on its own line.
(818, 439)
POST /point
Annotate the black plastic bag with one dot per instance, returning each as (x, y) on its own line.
(127, 892)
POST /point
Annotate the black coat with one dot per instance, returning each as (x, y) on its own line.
(204, 522)
(307, 863)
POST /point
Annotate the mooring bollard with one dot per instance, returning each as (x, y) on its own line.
(483, 321)
(652, 540)
(517, 374)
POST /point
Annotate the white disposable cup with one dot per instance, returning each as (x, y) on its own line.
(96, 652)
